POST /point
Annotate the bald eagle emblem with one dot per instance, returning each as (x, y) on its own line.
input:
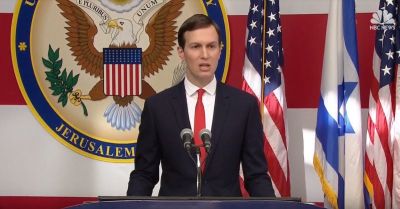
(123, 80)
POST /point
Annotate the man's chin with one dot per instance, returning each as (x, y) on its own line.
(206, 75)
(205, 78)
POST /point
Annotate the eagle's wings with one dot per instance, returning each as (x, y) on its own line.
(81, 31)
(162, 34)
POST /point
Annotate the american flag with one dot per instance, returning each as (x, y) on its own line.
(263, 78)
(122, 71)
(338, 144)
(378, 177)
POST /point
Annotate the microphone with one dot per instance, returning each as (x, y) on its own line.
(205, 135)
(187, 138)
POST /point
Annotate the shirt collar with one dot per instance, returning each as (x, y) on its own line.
(191, 89)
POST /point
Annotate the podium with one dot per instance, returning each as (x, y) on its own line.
(194, 203)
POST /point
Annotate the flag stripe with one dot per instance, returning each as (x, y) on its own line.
(377, 190)
(247, 88)
(276, 113)
(42, 202)
(119, 79)
(349, 32)
(275, 170)
(130, 69)
(383, 132)
(138, 77)
(326, 132)
(125, 82)
(114, 72)
(250, 74)
(240, 8)
(10, 93)
(112, 83)
(106, 79)
(131, 75)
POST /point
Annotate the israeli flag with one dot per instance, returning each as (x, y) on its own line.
(338, 144)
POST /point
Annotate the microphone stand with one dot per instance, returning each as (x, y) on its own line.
(198, 166)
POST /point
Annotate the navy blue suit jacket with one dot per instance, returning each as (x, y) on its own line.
(237, 136)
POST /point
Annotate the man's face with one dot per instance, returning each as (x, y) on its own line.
(201, 53)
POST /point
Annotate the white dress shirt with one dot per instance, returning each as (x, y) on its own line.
(208, 101)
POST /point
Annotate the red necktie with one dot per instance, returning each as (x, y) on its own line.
(199, 124)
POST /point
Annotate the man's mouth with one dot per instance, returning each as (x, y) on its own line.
(204, 65)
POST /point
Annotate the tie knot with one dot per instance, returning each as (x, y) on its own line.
(200, 93)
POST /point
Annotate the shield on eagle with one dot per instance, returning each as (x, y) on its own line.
(122, 71)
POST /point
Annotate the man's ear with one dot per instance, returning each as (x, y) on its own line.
(180, 52)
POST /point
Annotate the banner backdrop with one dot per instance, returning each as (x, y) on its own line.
(34, 163)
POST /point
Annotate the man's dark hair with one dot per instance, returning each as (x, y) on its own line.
(195, 22)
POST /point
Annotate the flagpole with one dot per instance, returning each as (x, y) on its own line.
(263, 59)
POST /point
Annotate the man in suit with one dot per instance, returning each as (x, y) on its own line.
(231, 114)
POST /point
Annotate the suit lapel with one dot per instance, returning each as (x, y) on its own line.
(221, 110)
(179, 106)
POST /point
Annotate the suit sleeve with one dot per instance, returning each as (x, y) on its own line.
(147, 158)
(256, 178)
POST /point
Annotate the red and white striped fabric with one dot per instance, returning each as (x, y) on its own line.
(378, 159)
(380, 136)
(378, 153)
(122, 79)
(264, 79)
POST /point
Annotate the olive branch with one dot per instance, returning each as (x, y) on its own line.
(62, 84)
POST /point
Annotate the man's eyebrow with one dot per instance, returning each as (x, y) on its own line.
(213, 42)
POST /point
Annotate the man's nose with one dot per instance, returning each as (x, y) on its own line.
(205, 52)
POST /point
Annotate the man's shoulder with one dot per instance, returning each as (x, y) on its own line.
(164, 94)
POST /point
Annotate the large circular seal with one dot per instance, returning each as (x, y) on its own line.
(85, 67)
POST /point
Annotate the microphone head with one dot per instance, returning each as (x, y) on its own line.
(185, 132)
(205, 136)
(205, 132)
(187, 138)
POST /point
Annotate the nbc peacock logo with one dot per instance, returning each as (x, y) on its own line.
(382, 20)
